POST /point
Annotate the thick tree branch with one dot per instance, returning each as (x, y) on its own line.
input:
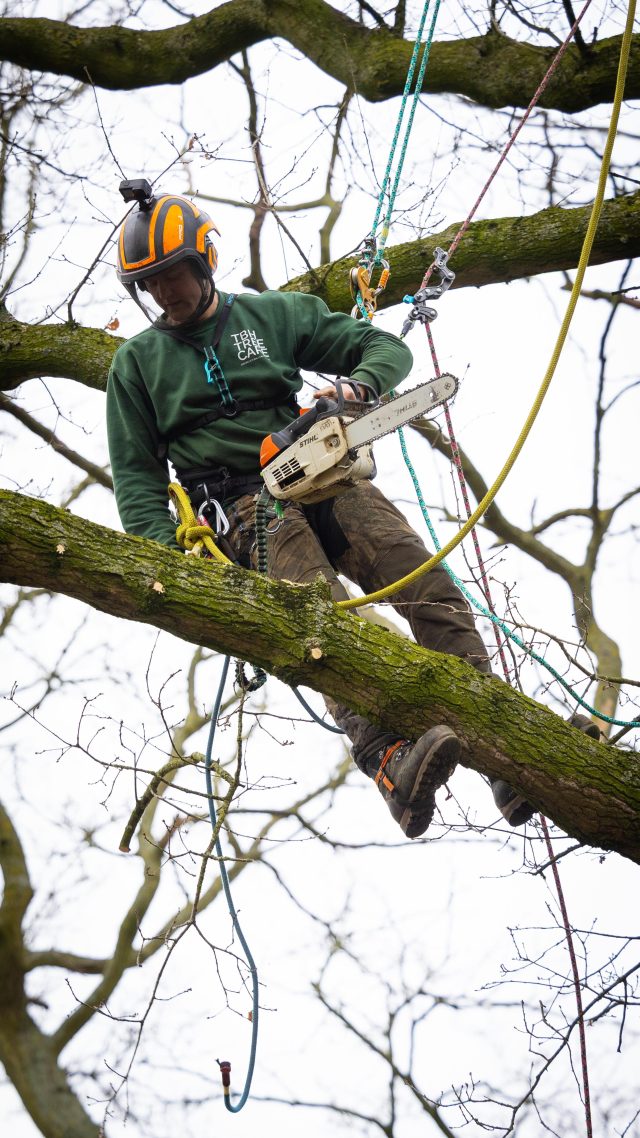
(490, 69)
(17, 886)
(25, 1052)
(28, 351)
(31, 1064)
(592, 792)
(500, 249)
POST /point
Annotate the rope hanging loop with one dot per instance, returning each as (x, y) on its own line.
(194, 534)
(421, 313)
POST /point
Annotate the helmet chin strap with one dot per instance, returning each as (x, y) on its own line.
(134, 292)
(208, 294)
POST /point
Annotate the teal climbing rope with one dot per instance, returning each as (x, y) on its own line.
(372, 254)
(381, 242)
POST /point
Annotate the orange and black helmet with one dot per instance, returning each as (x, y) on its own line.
(161, 232)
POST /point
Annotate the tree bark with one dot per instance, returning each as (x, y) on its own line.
(299, 635)
(491, 69)
(497, 250)
(27, 1054)
(28, 351)
(494, 251)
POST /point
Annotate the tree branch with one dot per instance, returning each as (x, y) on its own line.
(499, 249)
(25, 1052)
(28, 351)
(591, 792)
(491, 69)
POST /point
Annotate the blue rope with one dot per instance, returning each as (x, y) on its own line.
(492, 616)
(232, 910)
(314, 716)
(224, 1065)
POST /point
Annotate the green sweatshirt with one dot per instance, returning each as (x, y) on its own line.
(158, 386)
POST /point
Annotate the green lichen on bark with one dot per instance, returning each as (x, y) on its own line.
(590, 790)
(499, 249)
(28, 351)
(491, 69)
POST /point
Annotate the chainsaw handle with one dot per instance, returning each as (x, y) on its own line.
(323, 408)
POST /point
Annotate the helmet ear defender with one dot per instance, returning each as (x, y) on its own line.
(163, 231)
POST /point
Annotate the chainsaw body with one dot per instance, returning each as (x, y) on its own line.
(328, 448)
(318, 465)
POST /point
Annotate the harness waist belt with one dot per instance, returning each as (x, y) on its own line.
(224, 411)
(218, 484)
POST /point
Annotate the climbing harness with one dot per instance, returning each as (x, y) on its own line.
(229, 407)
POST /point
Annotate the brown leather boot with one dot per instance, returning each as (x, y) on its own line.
(408, 775)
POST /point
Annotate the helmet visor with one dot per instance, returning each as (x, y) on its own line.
(179, 293)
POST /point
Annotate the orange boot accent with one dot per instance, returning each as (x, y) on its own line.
(381, 776)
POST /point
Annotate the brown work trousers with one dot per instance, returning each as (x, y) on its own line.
(362, 535)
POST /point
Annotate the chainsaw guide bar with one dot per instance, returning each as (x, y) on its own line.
(401, 409)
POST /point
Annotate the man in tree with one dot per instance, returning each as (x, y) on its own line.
(203, 386)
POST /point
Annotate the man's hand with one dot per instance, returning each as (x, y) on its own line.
(347, 391)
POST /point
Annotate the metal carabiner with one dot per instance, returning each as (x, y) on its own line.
(421, 312)
(221, 520)
(360, 285)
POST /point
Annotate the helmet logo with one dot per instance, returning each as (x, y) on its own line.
(173, 229)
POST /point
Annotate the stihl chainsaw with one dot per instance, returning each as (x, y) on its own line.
(328, 448)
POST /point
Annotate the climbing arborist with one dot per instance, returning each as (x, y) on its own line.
(202, 387)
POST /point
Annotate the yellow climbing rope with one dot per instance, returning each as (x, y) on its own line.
(403, 582)
(190, 534)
